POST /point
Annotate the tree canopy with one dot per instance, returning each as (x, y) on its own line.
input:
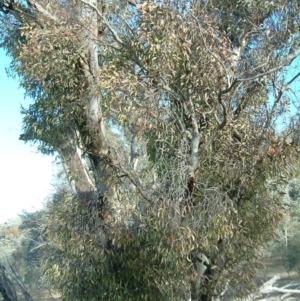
(176, 123)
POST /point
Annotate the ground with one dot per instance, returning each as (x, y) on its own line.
(274, 265)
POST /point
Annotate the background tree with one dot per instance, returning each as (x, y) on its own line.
(287, 244)
(10, 239)
(27, 259)
(22, 244)
(194, 92)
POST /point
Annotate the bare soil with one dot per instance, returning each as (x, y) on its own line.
(41, 295)
(275, 266)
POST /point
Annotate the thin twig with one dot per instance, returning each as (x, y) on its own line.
(287, 62)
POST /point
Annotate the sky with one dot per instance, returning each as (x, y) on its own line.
(26, 177)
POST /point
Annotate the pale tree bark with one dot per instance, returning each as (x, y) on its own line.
(76, 168)
(70, 144)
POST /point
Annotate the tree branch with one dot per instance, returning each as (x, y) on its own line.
(114, 33)
(40, 9)
(195, 140)
(138, 187)
(224, 122)
(287, 62)
(133, 151)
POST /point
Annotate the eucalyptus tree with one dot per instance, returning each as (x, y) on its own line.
(165, 115)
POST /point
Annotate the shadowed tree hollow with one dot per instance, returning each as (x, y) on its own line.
(176, 123)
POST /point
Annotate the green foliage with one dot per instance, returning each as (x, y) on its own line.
(197, 91)
(137, 263)
(146, 259)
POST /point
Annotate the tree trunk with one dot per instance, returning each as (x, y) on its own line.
(6, 287)
(76, 168)
(203, 274)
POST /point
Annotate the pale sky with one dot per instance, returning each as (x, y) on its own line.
(26, 176)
